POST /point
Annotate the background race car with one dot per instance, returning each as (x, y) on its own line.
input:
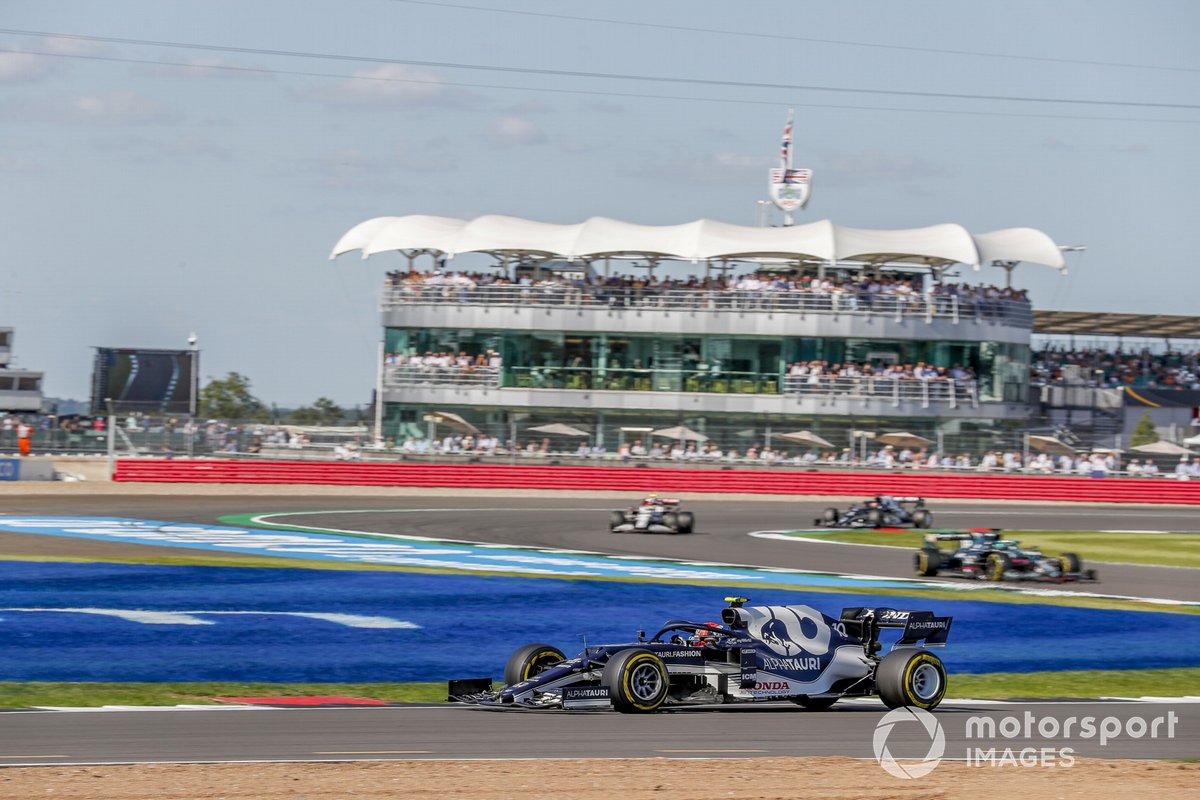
(984, 555)
(883, 511)
(756, 654)
(653, 515)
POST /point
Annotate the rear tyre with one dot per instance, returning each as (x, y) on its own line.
(529, 660)
(1070, 562)
(615, 520)
(687, 521)
(815, 703)
(914, 678)
(995, 567)
(927, 561)
(830, 516)
(922, 518)
(637, 681)
(874, 517)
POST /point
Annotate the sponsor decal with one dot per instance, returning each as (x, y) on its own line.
(792, 630)
(688, 654)
(893, 615)
(775, 686)
(793, 664)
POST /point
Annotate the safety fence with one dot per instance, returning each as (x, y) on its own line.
(635, 479)
(899, 306)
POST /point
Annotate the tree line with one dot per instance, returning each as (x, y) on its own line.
(231, 398)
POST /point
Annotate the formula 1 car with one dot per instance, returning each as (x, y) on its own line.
(654, 515)
(982, 554)
(882, 511)
(754, 654)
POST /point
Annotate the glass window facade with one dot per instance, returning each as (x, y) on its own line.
(722, 364)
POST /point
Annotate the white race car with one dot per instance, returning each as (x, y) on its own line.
(653, 515)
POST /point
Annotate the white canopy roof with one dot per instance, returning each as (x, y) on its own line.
(703, 239)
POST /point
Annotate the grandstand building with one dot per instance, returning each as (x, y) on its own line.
(560, 338)
(20, 389)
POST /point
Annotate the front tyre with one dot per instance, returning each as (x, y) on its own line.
(830, 516)
(1070, 562)
(615, 520)
(922, 518)
(914, 678)
(529, 660)
(637, 681)
(927, 561)
(996, 566)
(687, 521)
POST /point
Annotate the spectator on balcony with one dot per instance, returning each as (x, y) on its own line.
(1149, 469)
(638, 449)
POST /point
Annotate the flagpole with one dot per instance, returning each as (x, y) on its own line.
(787, 157)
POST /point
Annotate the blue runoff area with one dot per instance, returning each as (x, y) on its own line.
(122, 622)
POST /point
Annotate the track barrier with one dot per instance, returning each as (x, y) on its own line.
(634, 479)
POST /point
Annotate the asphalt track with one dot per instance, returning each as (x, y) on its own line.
(461, 732)
(580, 524)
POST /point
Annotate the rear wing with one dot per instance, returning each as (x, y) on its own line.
(917, 626)
(960, 536)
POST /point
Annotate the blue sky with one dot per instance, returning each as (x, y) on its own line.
(143, 200)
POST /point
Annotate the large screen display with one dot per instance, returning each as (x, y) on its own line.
(150, 381)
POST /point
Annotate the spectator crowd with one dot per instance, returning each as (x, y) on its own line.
(1113, 369)
(850, 292)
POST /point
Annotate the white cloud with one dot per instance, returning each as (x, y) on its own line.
(875, 166)
(390, 86)
(516, 131)
(208, 67)
(16, 163)
(142, 149)
(1054, 143)
(121, 107)
(727, 168)
(1133, 147)
(20, 65)
(26, 67)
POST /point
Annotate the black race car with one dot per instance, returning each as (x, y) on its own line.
(982, 554)
(653, 515)
(754, 654)
(882, 511)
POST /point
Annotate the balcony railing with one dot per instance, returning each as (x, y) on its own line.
(899, 306)
(480, 377)
(897, 390)
(938, 391)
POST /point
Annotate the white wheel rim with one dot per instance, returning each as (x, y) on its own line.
(926, 682)
(645, 681)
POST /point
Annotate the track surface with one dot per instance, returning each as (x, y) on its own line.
(454, 732)
(458, 732)
(721, 535)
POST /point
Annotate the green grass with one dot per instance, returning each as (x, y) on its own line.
(1081, 683)
(21, 694)
(998, 685)
(1162, 549)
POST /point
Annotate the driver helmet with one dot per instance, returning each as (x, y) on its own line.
(651, 498)
(704, 636)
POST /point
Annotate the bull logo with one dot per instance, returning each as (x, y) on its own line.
(775, 635)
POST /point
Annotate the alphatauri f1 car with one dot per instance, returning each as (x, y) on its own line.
(754, 654)
(883, 511)
(983, 554)
(653, 515)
